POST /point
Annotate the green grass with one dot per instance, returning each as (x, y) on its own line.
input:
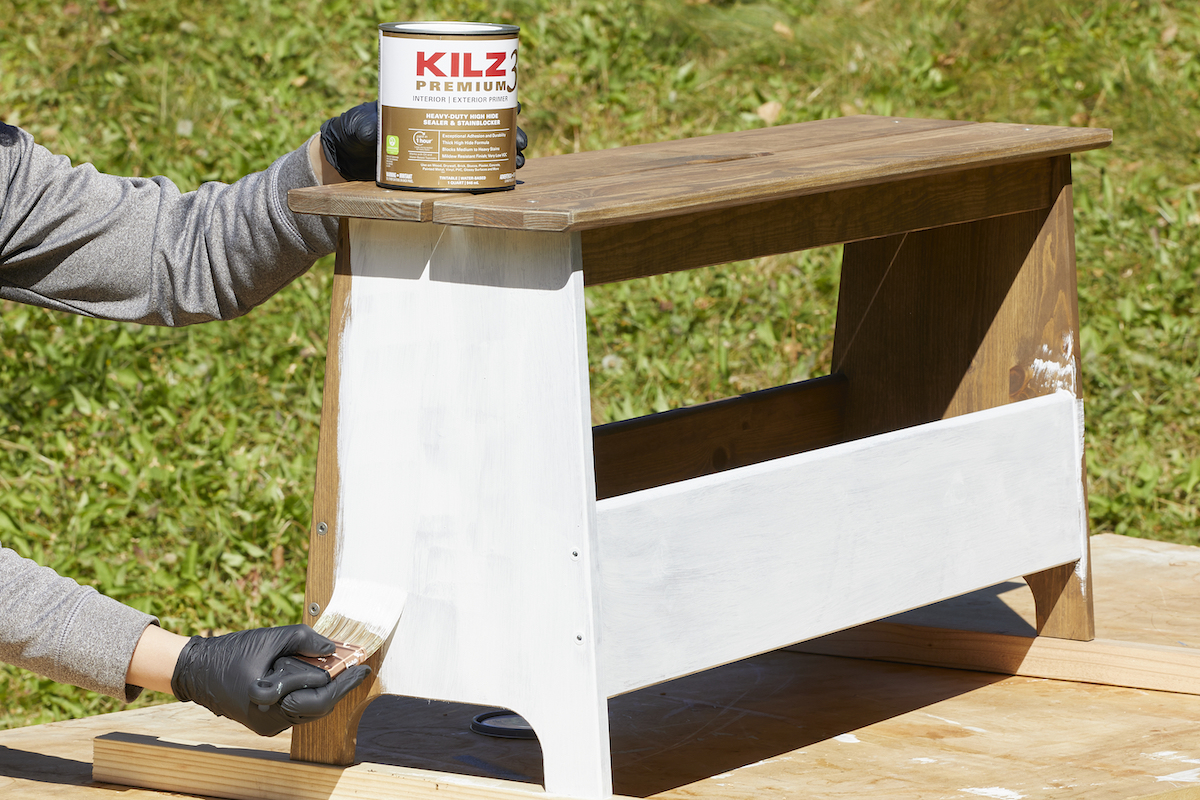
(173, 468)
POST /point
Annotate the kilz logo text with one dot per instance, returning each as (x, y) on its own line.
(460, 66)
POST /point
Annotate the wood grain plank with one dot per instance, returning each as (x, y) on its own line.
(670, 244)
(943, 322)
(583, 191)
(1108, 662)
(1048, 361)
(363, 199)
(239, 774)
(331, 740)
(744, 561)
(601, 201)
(464, 447)
(700, 440)
(718, 148)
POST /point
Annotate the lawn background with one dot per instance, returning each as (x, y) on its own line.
(173, 468)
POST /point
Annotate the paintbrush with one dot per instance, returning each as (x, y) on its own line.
(360, 617)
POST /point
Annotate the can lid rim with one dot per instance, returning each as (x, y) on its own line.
(450, 28)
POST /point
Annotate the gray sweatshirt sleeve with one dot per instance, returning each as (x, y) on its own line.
(65, 631)
(133, 249)
(137, 249)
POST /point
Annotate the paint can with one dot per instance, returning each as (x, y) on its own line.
(447, 106)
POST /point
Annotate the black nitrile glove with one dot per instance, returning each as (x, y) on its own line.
(248, 677)
(348, 142)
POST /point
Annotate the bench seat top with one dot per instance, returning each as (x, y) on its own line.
(603, 188)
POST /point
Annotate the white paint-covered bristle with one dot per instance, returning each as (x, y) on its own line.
(361, 612)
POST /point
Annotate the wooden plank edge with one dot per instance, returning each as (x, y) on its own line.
(361, 199)
(1108, 662)
(482, 211)
(670, 244)
(237, 773)
(723, 434)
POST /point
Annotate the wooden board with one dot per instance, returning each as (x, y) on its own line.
(332, 737)
(777, 725)
(1144, 643)
(793, 725)
(462, 473)
(187, 766)
(713, 173)
(751, 559)
(936, 323)
(1105, 661)
(704, 238)
(711, 437)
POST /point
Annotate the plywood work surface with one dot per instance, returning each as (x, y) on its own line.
(1146, 592)
(781, 725)
(592, 190)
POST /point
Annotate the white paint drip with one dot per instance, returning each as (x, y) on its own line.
(1051, 372)
(1189, 776)
(958, 724)
(996, 792)
(943, 719)
(848, 738)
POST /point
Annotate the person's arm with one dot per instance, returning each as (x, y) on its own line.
(154, 658)
(138, 249)
(70, 633)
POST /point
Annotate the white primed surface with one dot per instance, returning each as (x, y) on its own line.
(714, 569)
(469, 489)
(466, 480)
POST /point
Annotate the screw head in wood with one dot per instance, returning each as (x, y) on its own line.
(322, 529)
(314, 608)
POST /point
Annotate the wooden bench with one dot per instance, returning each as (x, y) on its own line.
(551, 566)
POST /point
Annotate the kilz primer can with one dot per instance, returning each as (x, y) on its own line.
(447, 106)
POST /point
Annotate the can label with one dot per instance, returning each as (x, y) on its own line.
(447, 108)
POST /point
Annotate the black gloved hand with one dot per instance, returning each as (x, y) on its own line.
(228, 675)
(348, 142)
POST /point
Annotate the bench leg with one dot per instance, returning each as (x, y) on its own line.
(459, 434)
(937, 323)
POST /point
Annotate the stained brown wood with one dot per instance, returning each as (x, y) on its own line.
(331, 739)
(1064, 604)
(717, 148)
(1065, 607)
(958, 291)
(937, 323)
(364, 199)
(712, 173)
(700, 440)
(1109, 662)
(606, 200)
(670, 244)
